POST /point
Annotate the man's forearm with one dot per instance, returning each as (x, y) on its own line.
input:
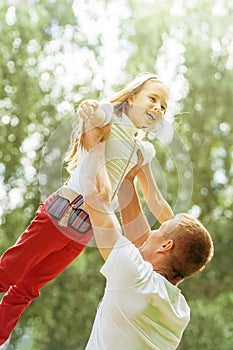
(105, 226)
(96, 189)
(135, 224)
(161, 209)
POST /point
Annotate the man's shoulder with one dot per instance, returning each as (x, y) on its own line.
(123, 247)
(125, 265)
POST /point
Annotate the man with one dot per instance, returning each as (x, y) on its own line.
(142, 307)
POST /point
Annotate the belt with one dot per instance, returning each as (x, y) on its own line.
(68, 193)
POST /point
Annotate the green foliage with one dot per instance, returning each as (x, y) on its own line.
(190, 42)
(212, 324)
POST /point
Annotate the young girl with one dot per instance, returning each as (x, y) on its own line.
(131, 113)
(61, 228)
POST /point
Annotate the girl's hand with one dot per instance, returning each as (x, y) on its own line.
(86, 109)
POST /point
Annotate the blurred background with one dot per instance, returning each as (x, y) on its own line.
(54, 54)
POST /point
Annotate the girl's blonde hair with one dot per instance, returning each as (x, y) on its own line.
(120, 100)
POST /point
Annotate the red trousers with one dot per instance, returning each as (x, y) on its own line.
(38, 256)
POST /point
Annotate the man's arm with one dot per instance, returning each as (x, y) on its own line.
(105, 226)
(104, 222)
(136, 226)
(91, 138)
(156, 203)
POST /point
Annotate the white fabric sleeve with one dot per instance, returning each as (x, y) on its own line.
(147, 150)
(125, 266)
(108, 109)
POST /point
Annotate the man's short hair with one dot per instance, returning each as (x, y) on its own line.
(193, 246)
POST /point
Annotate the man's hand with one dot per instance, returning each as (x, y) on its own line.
(134, 171)
(86, 109)
(92, 114)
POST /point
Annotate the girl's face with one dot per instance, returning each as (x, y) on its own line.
(148, 106)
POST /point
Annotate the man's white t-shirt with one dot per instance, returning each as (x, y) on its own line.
(140, 309)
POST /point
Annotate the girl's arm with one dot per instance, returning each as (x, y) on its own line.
(156, 203)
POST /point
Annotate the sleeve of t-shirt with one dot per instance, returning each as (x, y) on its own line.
(125, 267)
(108, 109)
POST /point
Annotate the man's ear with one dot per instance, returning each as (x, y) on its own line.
(167, 245)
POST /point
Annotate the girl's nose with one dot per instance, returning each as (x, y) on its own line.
(157, 109)
(157, 106)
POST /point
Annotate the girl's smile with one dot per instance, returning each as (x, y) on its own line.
(148, 106)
